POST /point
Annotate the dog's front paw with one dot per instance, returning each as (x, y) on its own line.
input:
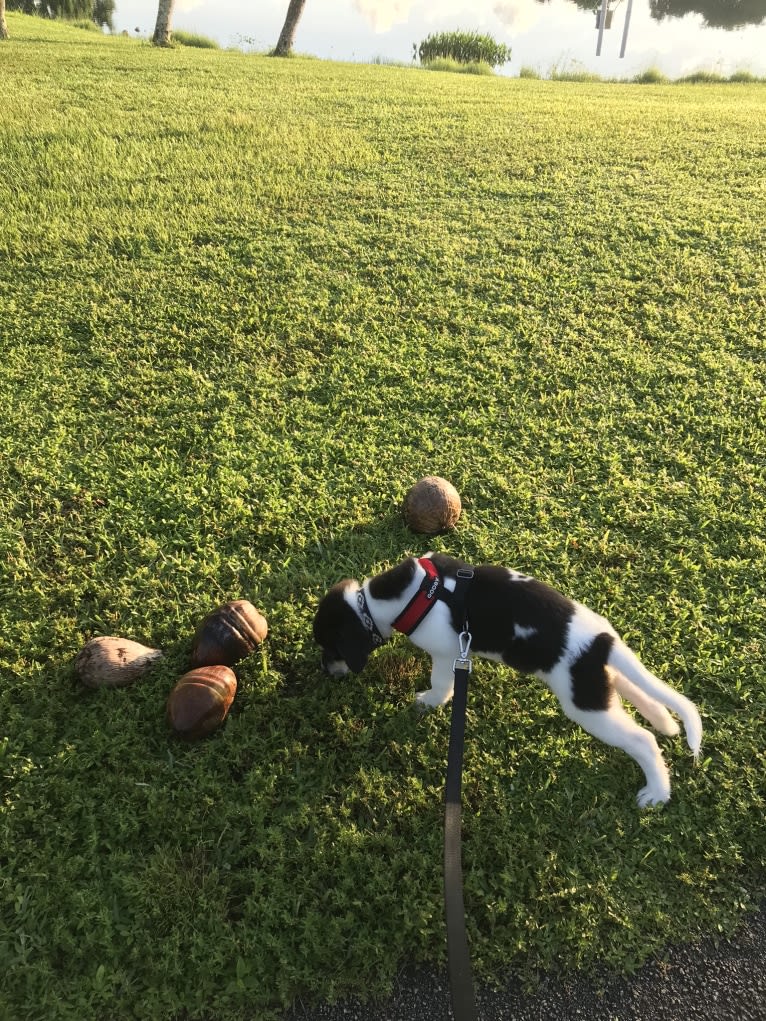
(648, 796)
(429, 699)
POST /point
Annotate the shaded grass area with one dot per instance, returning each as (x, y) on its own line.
(247, 303)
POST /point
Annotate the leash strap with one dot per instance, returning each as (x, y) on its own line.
(459, 960)
(461, 980)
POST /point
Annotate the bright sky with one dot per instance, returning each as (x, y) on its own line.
(542, 36)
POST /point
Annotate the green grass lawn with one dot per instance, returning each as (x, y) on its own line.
(244, 304)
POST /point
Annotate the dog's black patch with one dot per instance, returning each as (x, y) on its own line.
(390, 584)
(497, 602)
(591, 688)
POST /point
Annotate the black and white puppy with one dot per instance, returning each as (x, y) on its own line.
(516, 620)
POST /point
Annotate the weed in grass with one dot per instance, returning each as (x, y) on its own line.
(236, 327)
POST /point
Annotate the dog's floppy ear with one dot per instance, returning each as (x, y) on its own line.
(354, 641)
(340, 632)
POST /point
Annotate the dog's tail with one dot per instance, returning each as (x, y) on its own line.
(635, 683)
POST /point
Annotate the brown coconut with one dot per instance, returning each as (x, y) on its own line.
(228, 634)
(432, 505)
(200, 701)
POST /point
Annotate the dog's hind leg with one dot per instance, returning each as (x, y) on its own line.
(615, 727)
(624, 660)
(587, 695)
(649, 708)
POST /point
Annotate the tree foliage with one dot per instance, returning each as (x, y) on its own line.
(728, 14)
(99, 11)
(464, 47)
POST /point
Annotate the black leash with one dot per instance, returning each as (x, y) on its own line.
(461, 979)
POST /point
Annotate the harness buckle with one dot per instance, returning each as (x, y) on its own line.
(463, 661)
(464, 640)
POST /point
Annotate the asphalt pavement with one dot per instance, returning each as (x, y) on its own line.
(709, 980)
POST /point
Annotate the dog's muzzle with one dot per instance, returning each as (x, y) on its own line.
(333, 666)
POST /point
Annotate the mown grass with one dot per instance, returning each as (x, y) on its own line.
(246, 303)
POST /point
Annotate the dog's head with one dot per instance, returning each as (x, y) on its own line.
(346, 642)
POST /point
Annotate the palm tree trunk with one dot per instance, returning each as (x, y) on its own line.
(285, 43)
(161, 35)
(3, 23)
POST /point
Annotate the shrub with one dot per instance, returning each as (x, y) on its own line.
(651, 76)
(573, 71)
(100, 12)
(746, 77)
(575, 76)
(446, 64)
(463, 47)
(201, 42)
(387, 62)
(702, 78)
(529, 72)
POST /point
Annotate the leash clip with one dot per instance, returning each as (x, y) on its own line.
(463, 661)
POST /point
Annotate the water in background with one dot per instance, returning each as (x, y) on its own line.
(677, 37)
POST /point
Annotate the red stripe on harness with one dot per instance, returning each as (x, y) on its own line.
(423, 600)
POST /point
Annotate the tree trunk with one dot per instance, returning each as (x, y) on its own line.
(285, 43)
(161, 35)
(3, 24)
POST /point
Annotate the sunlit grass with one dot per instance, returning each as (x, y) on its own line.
(246, 303)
